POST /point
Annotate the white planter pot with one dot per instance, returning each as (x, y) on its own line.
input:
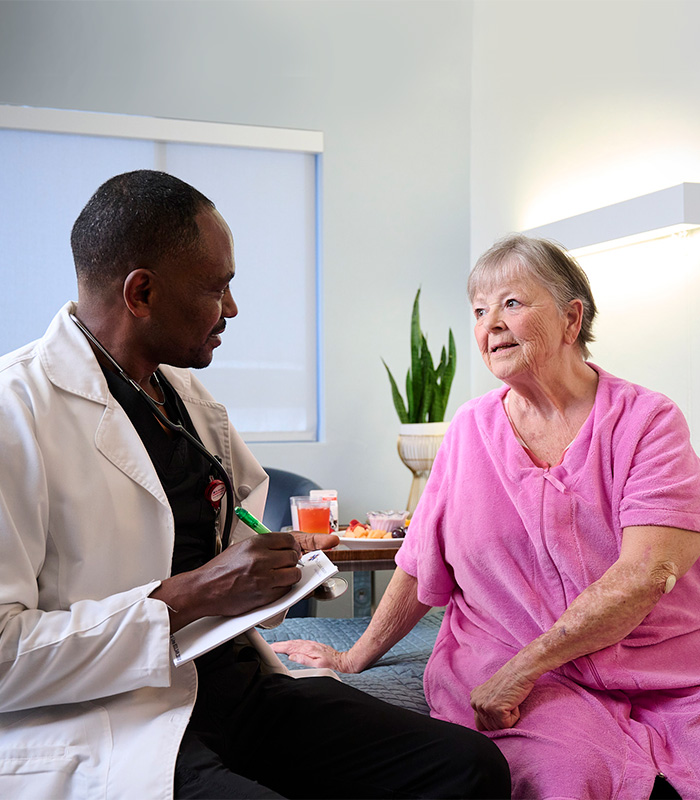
(418, 445)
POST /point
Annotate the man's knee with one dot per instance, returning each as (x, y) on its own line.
(491, 774)
(477, 767)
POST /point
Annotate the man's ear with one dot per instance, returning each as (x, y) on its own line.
(138, 287)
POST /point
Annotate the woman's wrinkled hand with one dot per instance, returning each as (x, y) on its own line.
(314, 654)
(496, 702)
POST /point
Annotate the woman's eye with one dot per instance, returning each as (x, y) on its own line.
(479, 312)
(512, 303)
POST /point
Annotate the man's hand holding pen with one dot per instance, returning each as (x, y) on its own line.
(246, 575)
(308, 541)
(316, 541)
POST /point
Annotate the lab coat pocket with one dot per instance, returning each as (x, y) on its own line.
(49, 773)
(54, 753)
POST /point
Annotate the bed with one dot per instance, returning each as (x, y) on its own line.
(396, 678)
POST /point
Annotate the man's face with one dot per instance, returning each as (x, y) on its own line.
(194, 299)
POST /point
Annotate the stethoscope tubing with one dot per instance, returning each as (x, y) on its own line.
(174, 427)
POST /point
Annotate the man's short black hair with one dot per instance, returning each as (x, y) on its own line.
(134, 220)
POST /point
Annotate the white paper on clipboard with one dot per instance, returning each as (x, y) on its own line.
(205, 634)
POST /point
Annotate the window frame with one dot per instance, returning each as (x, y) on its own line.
(162, 131)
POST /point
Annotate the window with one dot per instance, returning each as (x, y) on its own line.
(265, 182)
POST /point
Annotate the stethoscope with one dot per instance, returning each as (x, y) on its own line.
(329, 589)
(213, 494)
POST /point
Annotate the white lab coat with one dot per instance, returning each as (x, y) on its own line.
(90, 704)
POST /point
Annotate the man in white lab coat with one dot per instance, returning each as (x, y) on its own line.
(108, 543)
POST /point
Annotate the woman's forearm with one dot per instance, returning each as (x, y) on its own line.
(652, 558)
(602, 615)
(606, 612)
(613, 606)
(397, 613)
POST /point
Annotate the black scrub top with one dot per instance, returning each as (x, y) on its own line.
(183, 471)
(185, 474)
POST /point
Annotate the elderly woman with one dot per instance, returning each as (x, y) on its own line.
(559, 528)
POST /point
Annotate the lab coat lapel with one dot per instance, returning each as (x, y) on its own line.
(212, 422)
(71, 365)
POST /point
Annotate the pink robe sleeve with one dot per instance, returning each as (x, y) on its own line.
(663, 482)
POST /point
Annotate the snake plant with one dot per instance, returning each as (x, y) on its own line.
(427, 387)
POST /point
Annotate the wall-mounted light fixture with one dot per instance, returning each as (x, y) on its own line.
(651, 216)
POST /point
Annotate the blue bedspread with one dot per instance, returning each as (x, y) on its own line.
(397, 677)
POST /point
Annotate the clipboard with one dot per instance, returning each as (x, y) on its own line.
(205, 634)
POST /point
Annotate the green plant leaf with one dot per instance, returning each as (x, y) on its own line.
(427, 387)
(424, 413)
(444, 374)
(441, 366)
(410, 404)
(437, 410)
(450, 367)
(430, 385)
(417, 377)
(426, 358)
(396, 395)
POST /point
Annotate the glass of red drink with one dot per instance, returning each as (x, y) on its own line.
(314, 516)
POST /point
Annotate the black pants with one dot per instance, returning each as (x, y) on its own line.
(319, 738)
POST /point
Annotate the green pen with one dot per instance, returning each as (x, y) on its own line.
(252, 522)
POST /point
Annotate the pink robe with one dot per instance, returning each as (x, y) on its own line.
(507, 546)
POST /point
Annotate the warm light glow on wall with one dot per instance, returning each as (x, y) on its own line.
(643, 261)
(648, 328)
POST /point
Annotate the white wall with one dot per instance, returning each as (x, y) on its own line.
(578, 104)
(387, 81)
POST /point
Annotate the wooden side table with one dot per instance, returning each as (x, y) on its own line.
(363, 563)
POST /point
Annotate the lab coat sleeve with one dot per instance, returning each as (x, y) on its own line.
(92, 650)
(54, 655)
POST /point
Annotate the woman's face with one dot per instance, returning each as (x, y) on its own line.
(518, 327)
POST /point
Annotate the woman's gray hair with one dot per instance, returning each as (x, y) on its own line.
(547, 263)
